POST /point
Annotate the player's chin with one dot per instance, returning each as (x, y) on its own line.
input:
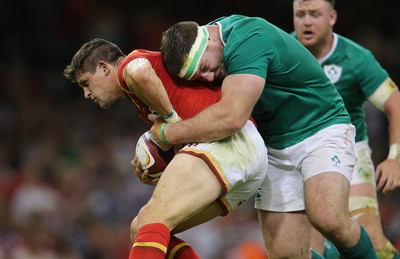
(307, 41)
(104, 105)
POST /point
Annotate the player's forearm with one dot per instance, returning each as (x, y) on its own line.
(154, 95)
(144, 82)
(394, 130)
(223, 118)
(210, 125)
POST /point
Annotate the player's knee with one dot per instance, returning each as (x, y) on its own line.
(156, 213)
(134, 229)
(145, 215)
(326, 222)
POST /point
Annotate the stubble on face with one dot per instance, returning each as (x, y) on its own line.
(98, 89)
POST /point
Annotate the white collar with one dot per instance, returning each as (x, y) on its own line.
(335, 41)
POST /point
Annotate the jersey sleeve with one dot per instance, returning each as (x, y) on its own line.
(372, 74)
(255, 61)
(249, 51)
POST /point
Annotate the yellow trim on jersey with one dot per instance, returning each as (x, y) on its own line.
(176, 248)
(151, 244)
(226, 204)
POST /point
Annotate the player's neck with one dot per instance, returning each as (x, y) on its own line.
(321, 49)
(214, 32)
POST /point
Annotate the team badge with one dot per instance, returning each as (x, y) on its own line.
(258, 195)
(333, 72)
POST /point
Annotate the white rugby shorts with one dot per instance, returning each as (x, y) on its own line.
(330, 150)
(239, 162)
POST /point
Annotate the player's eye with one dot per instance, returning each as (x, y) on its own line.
(84, 83)
(315, 14)
(203, 68)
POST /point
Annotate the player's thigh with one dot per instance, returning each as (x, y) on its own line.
(326, 197)
(212, 211)
(186, 187)
(327, 169)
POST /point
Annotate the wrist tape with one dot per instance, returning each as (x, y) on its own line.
(171, 117)
(394, 152)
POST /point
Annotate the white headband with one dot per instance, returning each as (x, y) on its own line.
(191, 64)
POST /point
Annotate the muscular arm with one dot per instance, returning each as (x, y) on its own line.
(143, 81)
(239, 95)
(392, 111)
(388, 172)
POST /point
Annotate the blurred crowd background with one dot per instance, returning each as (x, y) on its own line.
(67, 189)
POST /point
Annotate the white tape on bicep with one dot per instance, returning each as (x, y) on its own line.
(138, 63)
(382, 93)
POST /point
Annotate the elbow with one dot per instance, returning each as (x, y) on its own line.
(235, 124)
(233, 120)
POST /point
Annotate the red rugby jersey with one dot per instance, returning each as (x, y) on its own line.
(187, 97)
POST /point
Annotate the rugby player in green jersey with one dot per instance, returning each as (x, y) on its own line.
(358, 77)
(268, 74)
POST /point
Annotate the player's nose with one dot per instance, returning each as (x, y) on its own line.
(86, 93)
(208, 76)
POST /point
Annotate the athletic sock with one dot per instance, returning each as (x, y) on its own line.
(388, 251)
(362, 250)
(316, 255)
(330, 251)
(151, 242)
(179, 249)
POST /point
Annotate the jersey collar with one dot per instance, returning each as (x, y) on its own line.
(335, 41)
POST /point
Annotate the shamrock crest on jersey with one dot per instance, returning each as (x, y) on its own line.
(333, 72)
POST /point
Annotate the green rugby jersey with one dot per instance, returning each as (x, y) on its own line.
(298, 99)
(356, 74)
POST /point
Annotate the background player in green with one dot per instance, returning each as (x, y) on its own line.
(358, 77)
(299, 113)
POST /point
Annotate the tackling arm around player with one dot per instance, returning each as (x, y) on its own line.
(358, 77)
(203, 180)
(299, 113)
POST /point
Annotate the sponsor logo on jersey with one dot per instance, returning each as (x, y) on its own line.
(333, 72)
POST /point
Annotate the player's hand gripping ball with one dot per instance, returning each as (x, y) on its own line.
(152, 157)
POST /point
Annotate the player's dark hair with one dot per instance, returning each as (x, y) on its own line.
(89, 55)
(176, 43)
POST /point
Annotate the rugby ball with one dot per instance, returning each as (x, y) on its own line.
(152, 157)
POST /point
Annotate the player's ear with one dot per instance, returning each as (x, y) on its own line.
(333, 17)
(103, 67)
